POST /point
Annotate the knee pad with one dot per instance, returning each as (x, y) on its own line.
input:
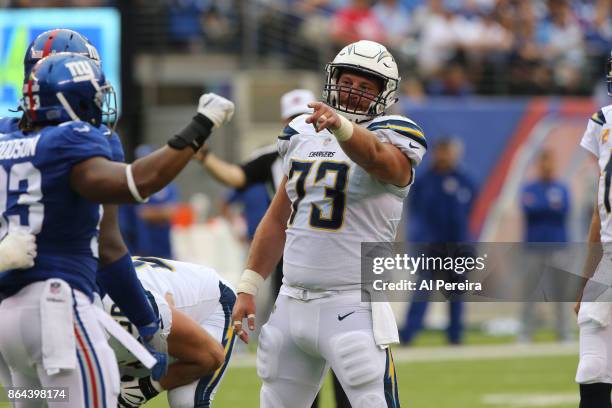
(371, 401)
(593, 363)
(270, 344)
(355, 359)
(268, 399)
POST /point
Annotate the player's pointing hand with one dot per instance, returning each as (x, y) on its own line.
(323, 117)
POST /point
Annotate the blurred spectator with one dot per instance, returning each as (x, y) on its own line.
(356, 22)
(561, 39)
(196, 24)
(527, 72)
(184, 22)
(146, 227)
(393, 17)
(440, 202)
(438, 38)
(596, 19)
(545, 204)
(413, 92)
(452, 81)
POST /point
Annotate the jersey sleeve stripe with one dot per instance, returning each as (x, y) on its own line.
(599, 118)
(287, 133)
(399, 123)
(410, 133)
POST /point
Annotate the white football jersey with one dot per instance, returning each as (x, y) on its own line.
(598, 140)
(336, 205)
(194, 289)
(188, 284)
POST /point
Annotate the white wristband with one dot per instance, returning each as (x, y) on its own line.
(250, 282)
(345, 131)
(132, 185)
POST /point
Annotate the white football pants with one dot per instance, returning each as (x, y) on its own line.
(303, 339)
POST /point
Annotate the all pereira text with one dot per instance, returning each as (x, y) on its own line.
(426, 285)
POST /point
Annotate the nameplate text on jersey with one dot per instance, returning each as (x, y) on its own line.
(18, 148)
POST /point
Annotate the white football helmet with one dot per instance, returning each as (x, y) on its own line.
(370, 59)
(128, 363)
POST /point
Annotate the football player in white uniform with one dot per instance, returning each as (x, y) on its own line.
(348, 167)
(194, 304)
(594, 372)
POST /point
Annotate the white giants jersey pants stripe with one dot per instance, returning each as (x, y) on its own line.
(93, 383)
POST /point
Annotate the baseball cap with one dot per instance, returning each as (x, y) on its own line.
(296, 102)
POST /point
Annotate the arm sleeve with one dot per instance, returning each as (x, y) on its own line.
(259, 170)
(120, 282)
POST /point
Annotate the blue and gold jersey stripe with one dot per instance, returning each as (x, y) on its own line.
(599, 118)
(207, 385)
(402, 127)
(390, 382)
(288, 131)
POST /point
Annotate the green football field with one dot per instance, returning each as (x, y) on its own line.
(483, 374)
(486, 382)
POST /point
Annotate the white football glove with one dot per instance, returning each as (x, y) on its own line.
(216, 108)
(17, 250)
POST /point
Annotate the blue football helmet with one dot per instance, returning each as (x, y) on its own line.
(67, 86)
(54, 41)
(609, 74)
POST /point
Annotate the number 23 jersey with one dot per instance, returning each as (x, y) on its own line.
(335, 204)
(598, 140)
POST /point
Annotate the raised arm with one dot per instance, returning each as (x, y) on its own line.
(383, 160)
(226, 173)
(101, 180)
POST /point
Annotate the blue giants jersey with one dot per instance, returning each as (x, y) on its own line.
(11, 124)
(36, 194)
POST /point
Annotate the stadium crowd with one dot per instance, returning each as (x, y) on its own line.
(461, 47)
(452, 47)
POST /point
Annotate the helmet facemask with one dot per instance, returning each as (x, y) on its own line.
(106, 100)
(377, 104)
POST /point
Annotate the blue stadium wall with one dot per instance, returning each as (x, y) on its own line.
(492, 131)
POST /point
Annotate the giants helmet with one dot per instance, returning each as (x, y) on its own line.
(65, 87)
(370, 59)
(54, 41)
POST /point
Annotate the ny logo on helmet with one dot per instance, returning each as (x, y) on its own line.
(80, 70)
